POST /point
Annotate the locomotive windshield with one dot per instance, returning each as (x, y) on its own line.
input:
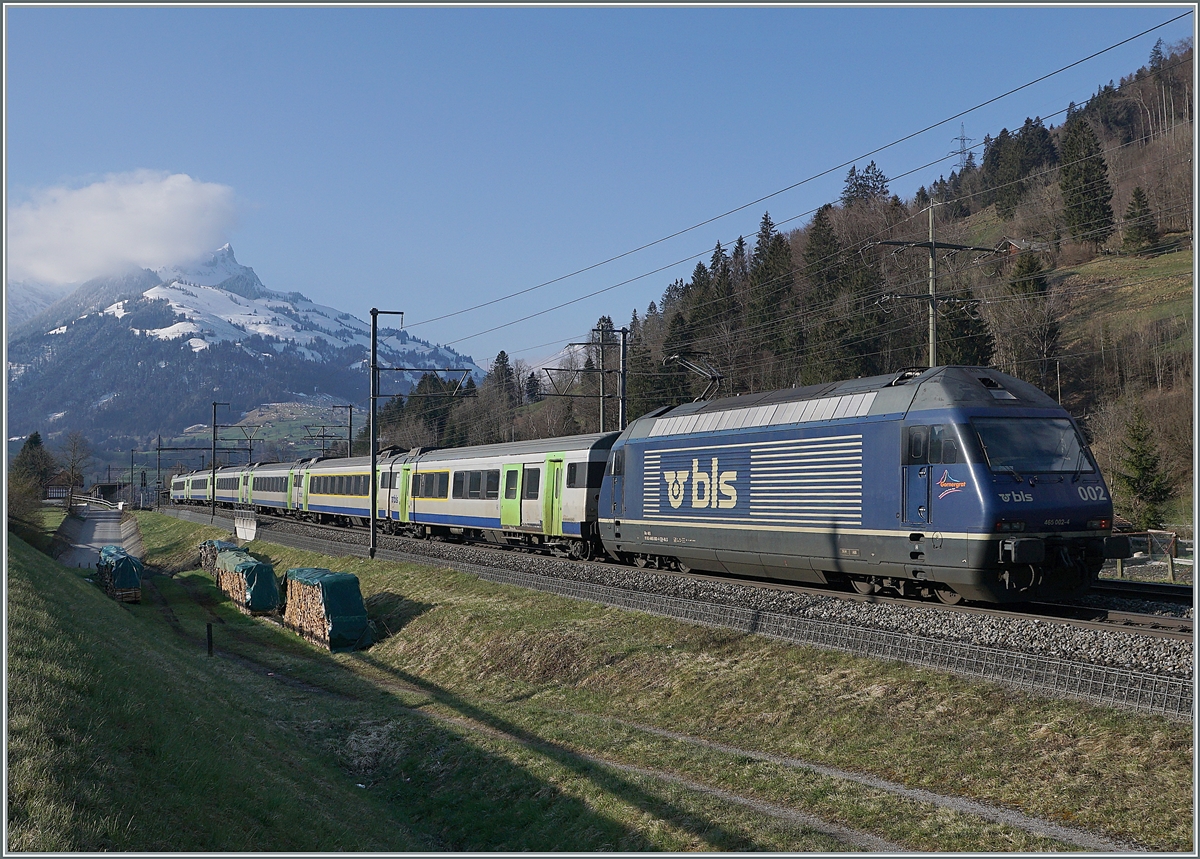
(1032, 445)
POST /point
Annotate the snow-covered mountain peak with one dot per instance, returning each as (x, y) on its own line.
(219, 268)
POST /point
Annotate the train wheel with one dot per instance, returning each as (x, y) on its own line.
(948, 596)
(580, 550)
(863, 586)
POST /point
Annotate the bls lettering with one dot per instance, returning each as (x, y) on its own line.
(709, 488)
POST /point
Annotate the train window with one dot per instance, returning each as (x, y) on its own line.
(475, 484)
(949, 445)
(533, 478)
(510, 484)
(918, 438)
(415, 489)
(385, 480)
(1024, 445)
(617, 462)
(443, 484)
(493, 484)
(936, 434)
(460, 484)
(572, 470)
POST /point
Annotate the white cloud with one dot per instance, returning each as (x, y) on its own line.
(146, 219)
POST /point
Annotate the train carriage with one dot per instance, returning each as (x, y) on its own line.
(956, 481)
(267, 486)
(335, 489)
(540, 493)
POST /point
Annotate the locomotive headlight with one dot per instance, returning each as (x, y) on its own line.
(1099, 524)
(1005, 527)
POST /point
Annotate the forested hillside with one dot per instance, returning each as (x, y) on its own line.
(1084, 289)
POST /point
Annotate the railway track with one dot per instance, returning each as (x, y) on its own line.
(1155, 591)
(1100, 618)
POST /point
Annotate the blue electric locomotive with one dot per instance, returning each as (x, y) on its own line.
(959, 482)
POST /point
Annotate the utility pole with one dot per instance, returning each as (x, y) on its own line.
(212, 487)
(349, 428)
(374, 425)
(932, 297)
(622, 416)
(602, 339)
(932, 294)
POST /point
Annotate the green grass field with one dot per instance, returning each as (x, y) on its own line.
(494, 718)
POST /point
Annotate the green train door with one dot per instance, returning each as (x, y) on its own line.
(510, 498)
(552, 497)
(402, 492)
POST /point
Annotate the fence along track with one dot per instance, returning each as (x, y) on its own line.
(1096, 684)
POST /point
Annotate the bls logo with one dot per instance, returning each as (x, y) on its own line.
(1015, 496)
(709, 489)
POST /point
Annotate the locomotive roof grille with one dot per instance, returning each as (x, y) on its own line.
(909, 390)
(802, 411)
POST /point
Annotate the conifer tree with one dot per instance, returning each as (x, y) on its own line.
(772, 282)
(1083, 179)
(1140, 229)
(1145, 488)
(533, 388)
(822, 256)
(868, 185)
(503, 379)
(33, 462)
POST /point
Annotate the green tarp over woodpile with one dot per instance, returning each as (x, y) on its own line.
(262, 591)
(125, 569)
(208, 553)
(344, 608)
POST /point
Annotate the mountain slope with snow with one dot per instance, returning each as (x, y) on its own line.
(23, 300)
(146, 350)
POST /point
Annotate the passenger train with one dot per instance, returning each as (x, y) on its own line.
(952, 482)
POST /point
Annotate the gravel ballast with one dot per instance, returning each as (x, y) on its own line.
(1115, 649)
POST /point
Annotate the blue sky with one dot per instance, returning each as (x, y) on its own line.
(431, 159)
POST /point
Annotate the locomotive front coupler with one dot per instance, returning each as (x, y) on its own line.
(1023, 550)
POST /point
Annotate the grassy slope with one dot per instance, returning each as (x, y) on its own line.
(123, 735)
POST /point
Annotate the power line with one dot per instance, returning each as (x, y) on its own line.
(791, 187)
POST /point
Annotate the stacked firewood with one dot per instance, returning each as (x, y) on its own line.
(304, 611)
(120, 574)
(209, 550)
(233, 584)
(326, 608)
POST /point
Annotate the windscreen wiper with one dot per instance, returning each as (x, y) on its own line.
(1078, 466)
(1011, 471)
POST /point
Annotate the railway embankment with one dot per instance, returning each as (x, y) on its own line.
(783, 733)
(1114, 667)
